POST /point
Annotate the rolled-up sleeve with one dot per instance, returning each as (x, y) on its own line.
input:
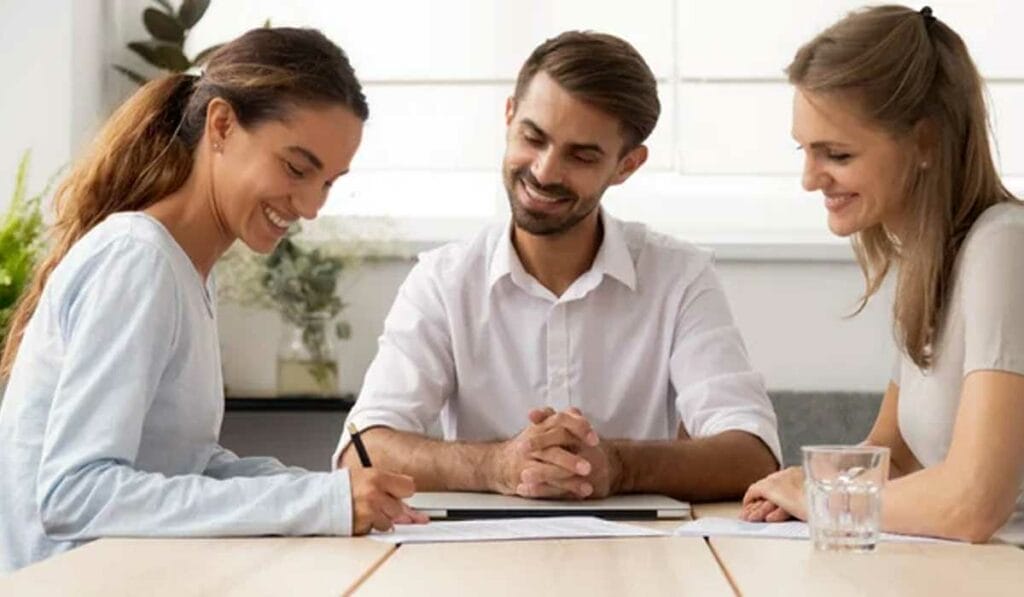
(716, 388)
(413, 373)
(120, 328)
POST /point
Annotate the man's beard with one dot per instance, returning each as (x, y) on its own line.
(542, 224)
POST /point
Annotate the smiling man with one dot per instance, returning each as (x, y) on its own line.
(568, 354)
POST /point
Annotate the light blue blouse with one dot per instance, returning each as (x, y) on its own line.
(110, 421)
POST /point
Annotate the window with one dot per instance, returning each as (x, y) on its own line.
(723, 167)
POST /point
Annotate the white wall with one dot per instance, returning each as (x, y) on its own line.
(35, 104)
(441, 72)
(792, 316)
(53, 85)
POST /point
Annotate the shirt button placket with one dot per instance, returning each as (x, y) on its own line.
(558, 358)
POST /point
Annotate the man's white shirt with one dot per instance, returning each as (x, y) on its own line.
(641, 342)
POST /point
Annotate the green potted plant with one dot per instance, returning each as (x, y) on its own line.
(303, 282)
(21, 242)
(299, 280)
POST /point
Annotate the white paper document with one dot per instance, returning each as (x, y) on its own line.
(794, 529)
(560, 527)
(1013, 530)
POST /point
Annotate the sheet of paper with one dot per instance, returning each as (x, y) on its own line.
(1012, 531)
(560, 527)
(731, 527)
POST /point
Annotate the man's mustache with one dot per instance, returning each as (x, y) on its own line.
(553, 190)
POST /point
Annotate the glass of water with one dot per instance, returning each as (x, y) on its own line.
(844, 495)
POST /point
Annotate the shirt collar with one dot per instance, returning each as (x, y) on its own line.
(613, 257)
(503, 257)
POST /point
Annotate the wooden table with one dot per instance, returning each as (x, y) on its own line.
(592, 567)
(157, 567)
(786, 567)
(636, 565)
(792, 568)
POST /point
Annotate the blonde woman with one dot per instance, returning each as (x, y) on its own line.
(890, 113)
(109, 423)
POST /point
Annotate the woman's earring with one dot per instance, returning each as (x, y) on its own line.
(924, 165)
(216, 146)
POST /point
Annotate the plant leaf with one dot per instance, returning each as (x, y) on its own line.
(166, 6)
(134, 76)
(21, 232)
(163, 26)
(191, 11)
(343, 330)
(20, 182)
(201, 57)
(161, 55)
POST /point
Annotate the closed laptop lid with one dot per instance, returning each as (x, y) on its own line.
(463, 505)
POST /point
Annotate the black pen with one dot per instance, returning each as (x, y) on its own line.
(364, 458)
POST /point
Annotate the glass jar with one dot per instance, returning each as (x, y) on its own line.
(307, 354)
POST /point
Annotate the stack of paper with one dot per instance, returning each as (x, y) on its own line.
(731, 527)
(561, 527)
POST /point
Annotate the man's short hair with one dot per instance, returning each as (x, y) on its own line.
(603, 71)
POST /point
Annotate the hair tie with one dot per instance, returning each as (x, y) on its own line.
(926, 12)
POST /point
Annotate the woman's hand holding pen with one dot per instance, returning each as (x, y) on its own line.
(377, 496)
(377, 500)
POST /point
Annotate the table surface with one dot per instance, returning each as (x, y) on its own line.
(623, 566)
(157, 567)
(635, 565)
(787, 567)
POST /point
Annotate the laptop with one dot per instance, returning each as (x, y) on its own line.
(465, 506)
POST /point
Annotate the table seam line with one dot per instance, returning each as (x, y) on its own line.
(369, 572)
(725, 571)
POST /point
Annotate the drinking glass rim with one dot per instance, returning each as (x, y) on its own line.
(838, 448)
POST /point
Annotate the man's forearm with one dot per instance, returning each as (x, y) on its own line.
(718, 467)
(435, 465)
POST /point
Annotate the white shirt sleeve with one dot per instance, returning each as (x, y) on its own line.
(413, 374)
(225, 464)
(120, 324)
(897, 368)
(992, 283)
(716, 388)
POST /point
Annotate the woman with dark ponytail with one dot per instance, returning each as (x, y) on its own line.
(890, 112)
(110, 420)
